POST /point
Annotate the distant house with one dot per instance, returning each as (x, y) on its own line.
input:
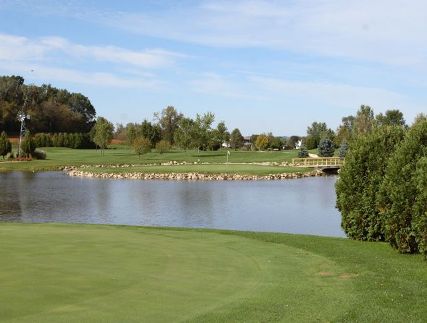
(298, 144)
(247, 141)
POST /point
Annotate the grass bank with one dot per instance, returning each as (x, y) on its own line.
(60, 157)
(75, 273)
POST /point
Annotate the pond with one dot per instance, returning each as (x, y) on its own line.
(305, 206)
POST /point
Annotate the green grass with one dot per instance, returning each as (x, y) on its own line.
(93, 273)
(119, 154)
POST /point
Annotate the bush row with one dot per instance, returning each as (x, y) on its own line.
(70, 140)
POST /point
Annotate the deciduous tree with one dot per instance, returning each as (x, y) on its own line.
(102, 133)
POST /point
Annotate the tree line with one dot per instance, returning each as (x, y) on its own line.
(51, 110)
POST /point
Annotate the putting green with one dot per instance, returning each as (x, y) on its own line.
(81, 273)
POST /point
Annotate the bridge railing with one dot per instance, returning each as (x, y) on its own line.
(318, 162)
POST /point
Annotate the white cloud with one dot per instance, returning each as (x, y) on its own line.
(150, 58)
(16, 48)
(388, 31)
(46, 56)
(20, 48)
(47, 73)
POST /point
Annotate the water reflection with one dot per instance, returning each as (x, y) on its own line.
(295, 206)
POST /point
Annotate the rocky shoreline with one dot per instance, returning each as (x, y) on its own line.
(194, 176)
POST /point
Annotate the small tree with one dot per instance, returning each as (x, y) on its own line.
(102, 133)
(141, 146)
(262, 142)
(303, 152)
(236, 139)
(5, 145)
(163, 146)
(326, 148)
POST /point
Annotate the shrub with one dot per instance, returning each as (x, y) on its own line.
(402, 195)
(360, 180)
(141, 146)
(5, 145)
(420, 211)
(311, 142)
(43, 140)
(39, 154)
(303, 152)
(326, 148)
(28, 145)
(163, 146)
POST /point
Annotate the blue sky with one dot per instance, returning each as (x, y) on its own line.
(259, 65)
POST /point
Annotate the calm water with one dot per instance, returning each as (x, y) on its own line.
(295, 206)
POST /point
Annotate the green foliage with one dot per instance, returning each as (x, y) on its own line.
(316, 132)
(218, 136)
(201, 134)
(326, 148)
(420, 208)
(51, 109)
(303, 152)
(276, 143)
(390, 118)
(28, 145)
(343, 149)
(146, 129)
(5, 145)
(311, 142)
(39, 154)
(262, 142)
(345, 130)
(364, 121)
(360, 180)
(43, 140)
(69, 140)
(163, 146)
(141, 146)
(236, 139)
(402, 194)
(102, 133)
(183, 136)
(168, 121)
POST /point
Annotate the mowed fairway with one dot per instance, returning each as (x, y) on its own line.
(92, 273)
(118, 154)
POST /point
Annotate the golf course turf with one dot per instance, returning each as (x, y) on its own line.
(95, 273)
(119, 154)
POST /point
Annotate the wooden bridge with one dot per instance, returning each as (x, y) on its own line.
(324, 163)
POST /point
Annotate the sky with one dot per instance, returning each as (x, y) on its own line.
(261, 66)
